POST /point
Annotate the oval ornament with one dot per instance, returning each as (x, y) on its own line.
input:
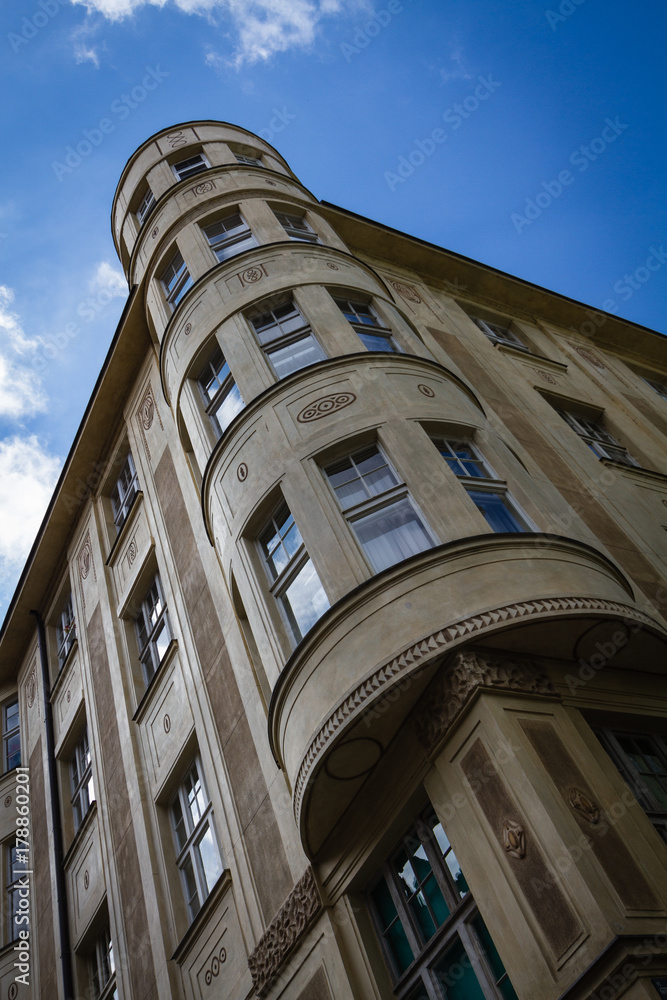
(324, 406)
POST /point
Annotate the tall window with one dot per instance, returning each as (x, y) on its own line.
(175, 280)
(146, 206)
(487, 493)
(198, 854)
(597, 437)
(498, 334)
(378, 507)
(372, 334)
(229, 236)
(220, 392)
(81, 777)
(188, 168)
(103, 968)
(124, 492)
(294, 581)
(286, 338)
(16, 865)
(65, 631)
(153, 630)
(642, 760)
(433, 939)
(11, 736)
(296, 227)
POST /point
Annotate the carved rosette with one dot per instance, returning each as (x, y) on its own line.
(31, 686)
(85, 558)
(514, 839)
(406, 292)
(284, 932)
(592, 359)
(147, 410)
(467, 671)
(584, 805)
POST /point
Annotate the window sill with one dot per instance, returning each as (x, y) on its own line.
(86, 822)
(636, 472)
(131, 517)
(190, 936)
(153, 683)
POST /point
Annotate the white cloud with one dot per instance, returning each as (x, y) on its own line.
(264, 27)
(108, 279)
(456, 71)
(20, 387)
(28, 474)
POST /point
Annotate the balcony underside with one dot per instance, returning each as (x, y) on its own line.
(354, 679)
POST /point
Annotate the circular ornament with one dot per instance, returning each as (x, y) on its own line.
(166, 722)
(426, 390)
(242, 472)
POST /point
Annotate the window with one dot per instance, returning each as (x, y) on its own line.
(229, 236)
(597, 437)
(124, 492)
(296, 227)
(294, 581)
(65, 631)
(220, 392)
(372, 334)
(250, 161)
(434, 941)
(198, 855)
(378, 507)
(286, 338)
(498, 334)
(188, 168)
(657, 386)
(16, 865)
(642, 760)
(175, 280)
(146, 206)
(81, 777)
(103, 968)
(488, 494)
(153, 631)
(11, 736)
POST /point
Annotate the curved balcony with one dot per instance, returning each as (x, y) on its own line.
(352, 681)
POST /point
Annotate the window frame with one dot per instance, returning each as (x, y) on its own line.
(149, 656)
(363, 328)
(146, 206)
(289, 339)
(248, 161)
(81, 780)
(8, 734)
(657, 386)
(205, 165)
(65, 631)
(101, 962)
(126, 488)
(195, 831)
(592, 431)
(295, 233)
(609, 739)
(499, 334)
(176, 287)
(213, 403)
(232, 241)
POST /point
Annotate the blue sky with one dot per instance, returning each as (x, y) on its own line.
(527, 135)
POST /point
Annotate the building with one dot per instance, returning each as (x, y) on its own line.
(339, 658)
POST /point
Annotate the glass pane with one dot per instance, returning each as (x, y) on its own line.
(210, 858)
(495, 510)
(190, 884)
(498, 969)
(13, 751)
(392, 929)
(457, 977)
(229, 407)
(392, 534)
(161, 641)
(196, 800)
(305, 351)
(305, 600)
(179, 824)
(374, 342)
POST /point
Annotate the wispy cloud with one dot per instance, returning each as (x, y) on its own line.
(28, 473)
(109, 280)
(21, 392)
(264, 27)
(84, 50)
(455, 69)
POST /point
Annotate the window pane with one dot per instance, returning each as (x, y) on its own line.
(291, 358)
(498, 969)
(392, 929)
(210, 858)
(229, 407)
(161, 641)
(190, 884)
(375, 342)
(450, 858)
(495, 510)
(179, 824)
(457, 977)
(305, 600)
(392, 534)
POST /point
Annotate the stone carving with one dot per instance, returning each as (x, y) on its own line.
(155, 232)
(147, 410)
(204, 187)
(426, 390)
(547, 377)
(514, 839)
(176, 139)
(332, 267)
(68, 696)
(187, 329)
(437, 643)
(242, 472)
(31, 687)
(251, 275)
(86, 879)
(584, 805)
(132, 551)
(12, 992)
(8, 801)
(468, 670)
(285, 930)
(214, 969)
(325, 405)
(85, 558)
(592, 359)
(166, 722)
(272, 184)
(406, 292)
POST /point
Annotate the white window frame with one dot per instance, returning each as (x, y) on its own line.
(175, 280)
(146, 206)
(124, 492)
(248, 161)
(216, 374)
(592, 431)
(196, 817)
(374, 504)
(81, 780)
(365, 322)
(16, 864)
(280, 340)
(152, 621)
(190, 167)
(65, 631)
(233, 237)
(498, 334)
(486, 484)
(297, 561)
(10, 733)
(297, 227)
(103, 968)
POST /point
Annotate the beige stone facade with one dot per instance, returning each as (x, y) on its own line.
(340, 657)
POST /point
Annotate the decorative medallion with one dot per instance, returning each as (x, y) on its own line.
(148, 410)
(514, 839)
(251, 275)
(325, 405)
(31, 687)
(86, 879)
(272, 184)
(85, 558)
(166, 722)
(332, 267)
(547, 377)
(426, 390)
(584, 805)
(216, 962)
(8, 801)
(406, 292)
(592, 359)
(68, 696)
(13, 991)
(132, 552)
(155, 232)
(176, 139)
(203, 188)
(242, 472)
(187, 329)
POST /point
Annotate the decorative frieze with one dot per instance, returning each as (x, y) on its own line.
(285, 930)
